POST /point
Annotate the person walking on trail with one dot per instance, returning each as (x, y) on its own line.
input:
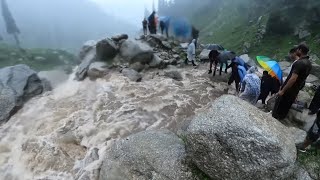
(293, 84)
(191, 53)
(145, 26)
(152, 23)
(250, 86)
(312, 136)
(266, 86)
(315, 103)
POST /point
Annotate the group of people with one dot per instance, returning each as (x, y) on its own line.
(252, 88)
(152, 24)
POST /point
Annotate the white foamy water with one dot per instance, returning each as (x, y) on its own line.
(51, 135)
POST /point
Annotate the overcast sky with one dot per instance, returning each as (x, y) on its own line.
(130, 10)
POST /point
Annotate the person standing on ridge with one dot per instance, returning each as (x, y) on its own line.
(191, 53)
(293, 84)
(152, 23)
(145, 26)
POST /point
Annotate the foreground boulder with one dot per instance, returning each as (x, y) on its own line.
(146, 155)
(135, 51)
(234, 140)
(17, 85)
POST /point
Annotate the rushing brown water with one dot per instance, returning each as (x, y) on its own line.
(53, 132)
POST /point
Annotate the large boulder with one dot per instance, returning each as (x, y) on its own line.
(174, 74)
(156, 61)
(146, 155)
(120, 37)
(17, 85)
(98, 70)
(132, 74)
(106, 50)
(135, 51)
(88, 59)
(234, 140)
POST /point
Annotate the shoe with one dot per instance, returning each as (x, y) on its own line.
(302, 150)
(210, 71)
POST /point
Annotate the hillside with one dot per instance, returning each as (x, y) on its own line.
(245, 26)
(37, 59)
(269, 27)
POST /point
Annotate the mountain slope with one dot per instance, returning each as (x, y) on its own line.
(257, 27)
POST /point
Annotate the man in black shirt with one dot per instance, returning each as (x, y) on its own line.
(295, 81)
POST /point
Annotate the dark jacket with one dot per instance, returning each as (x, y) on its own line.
(266, 84)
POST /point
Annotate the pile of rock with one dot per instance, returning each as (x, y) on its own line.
(153, 51)
(18, 84)
(231, 139)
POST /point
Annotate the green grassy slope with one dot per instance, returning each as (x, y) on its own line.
(232, 25)
(37, 59)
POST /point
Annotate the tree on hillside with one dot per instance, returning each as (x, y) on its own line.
(12, 28)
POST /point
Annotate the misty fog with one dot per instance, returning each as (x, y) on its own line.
(67, 24)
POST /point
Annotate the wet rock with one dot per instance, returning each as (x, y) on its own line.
(314, 58)
(297, 134)
(234, 139)
(176, 56)
(95, 73)
(46, 85)
(284, 65)
(246, 47)
(89, 57)
(134, 51)
(87, 46)
(137, 66)
(303, 34)
(166, 45)
(184, 45)
(300, 174)
(106, 50)
(174, 74)
(120, 37)
(84, 173)
(247, 59)
(315, 70)
(132, 74)
(312, 79)
(156, 61)
(18, 84)
(146, 155)
(204, 55)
